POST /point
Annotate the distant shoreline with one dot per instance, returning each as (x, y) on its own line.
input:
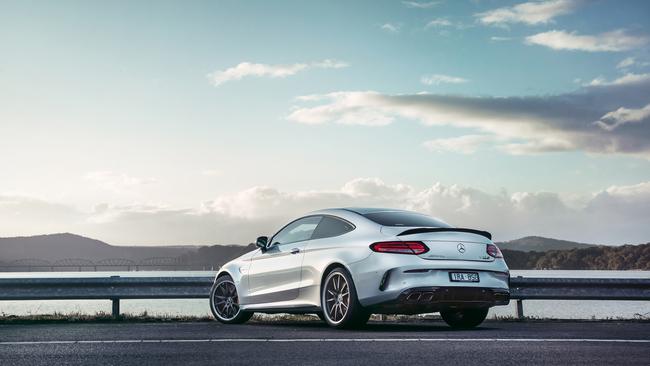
(70, 252)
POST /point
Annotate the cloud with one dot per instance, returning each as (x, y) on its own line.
(627, 79)
(116, 182)
(248, 69)
(391, 28)
(440, 22)
(614, 41)
(627, 62)
(520, 125)
(240, 217)
(631, 62)
(614, 119)
(629, 192)
(467, 144)
(436, 79)
(211, 172)
(354, 108)
(531, 13)
(500, 39)
(446, 23)
(631, 201)
(420, 5)
(22, 215)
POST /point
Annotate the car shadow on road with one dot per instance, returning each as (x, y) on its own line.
(373, 327)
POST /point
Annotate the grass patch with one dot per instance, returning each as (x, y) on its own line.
(99, 317)
(638, 318)
(105, 317)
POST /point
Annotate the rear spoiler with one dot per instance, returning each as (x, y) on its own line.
(439, 229)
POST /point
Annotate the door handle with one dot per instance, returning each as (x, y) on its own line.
(295, 251)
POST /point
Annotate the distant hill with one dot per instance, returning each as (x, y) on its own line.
(541, 244)
(55, 247)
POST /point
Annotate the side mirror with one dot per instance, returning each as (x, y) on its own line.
(261, 242)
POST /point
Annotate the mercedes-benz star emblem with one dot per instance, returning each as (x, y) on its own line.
(461, 248)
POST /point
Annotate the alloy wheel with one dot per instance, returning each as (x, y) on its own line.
(226, 301)
(337, 297)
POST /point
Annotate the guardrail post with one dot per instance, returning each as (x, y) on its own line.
(115, 311)
(115, 302)
(520, 309)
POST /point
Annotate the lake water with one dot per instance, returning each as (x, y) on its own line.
(557, 309)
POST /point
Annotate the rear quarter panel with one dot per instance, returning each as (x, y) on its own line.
(344, 250)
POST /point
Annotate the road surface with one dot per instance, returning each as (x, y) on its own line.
(307, 342)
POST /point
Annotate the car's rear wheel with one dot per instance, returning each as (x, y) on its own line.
(224, 302)
(464, 318)
(341, 307)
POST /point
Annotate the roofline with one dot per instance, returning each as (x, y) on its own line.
(373, 210)
(361, 211)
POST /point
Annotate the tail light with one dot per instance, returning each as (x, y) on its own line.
(493, 251)
(400, 247)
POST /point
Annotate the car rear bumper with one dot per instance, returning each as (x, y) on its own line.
(432, 299)
(383, 278)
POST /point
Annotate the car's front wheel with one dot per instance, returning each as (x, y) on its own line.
(224, 302)
(464, 318)
(341, 308)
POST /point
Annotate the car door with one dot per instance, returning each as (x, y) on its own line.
(274, 275)
(324, 243)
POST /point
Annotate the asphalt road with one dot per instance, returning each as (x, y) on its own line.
(312, 343)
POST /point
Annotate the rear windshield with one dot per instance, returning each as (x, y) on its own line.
(397, 218)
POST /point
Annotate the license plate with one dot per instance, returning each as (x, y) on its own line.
(463, 277)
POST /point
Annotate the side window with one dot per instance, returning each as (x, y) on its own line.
(331, 226)
(298, 230)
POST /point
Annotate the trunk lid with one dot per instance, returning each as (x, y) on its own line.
(447, 244)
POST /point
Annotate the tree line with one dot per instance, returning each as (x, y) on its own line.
(624, 257)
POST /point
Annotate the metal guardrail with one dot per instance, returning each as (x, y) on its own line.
(116, 288)
(532, 288)
(112, 288)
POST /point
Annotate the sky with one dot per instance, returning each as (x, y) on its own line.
(214, 122)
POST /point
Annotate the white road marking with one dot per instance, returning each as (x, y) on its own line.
(113, 341)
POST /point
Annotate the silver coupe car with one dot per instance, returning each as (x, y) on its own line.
(347, 263)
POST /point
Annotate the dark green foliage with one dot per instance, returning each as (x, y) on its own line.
(625, 257)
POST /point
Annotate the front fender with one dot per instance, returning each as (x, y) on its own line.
(237, 269)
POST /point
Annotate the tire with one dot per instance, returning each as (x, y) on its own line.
(341, 307)
(464, 318)
(224, 302)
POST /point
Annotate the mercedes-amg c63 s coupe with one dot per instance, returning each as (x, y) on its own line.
(345, 264)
